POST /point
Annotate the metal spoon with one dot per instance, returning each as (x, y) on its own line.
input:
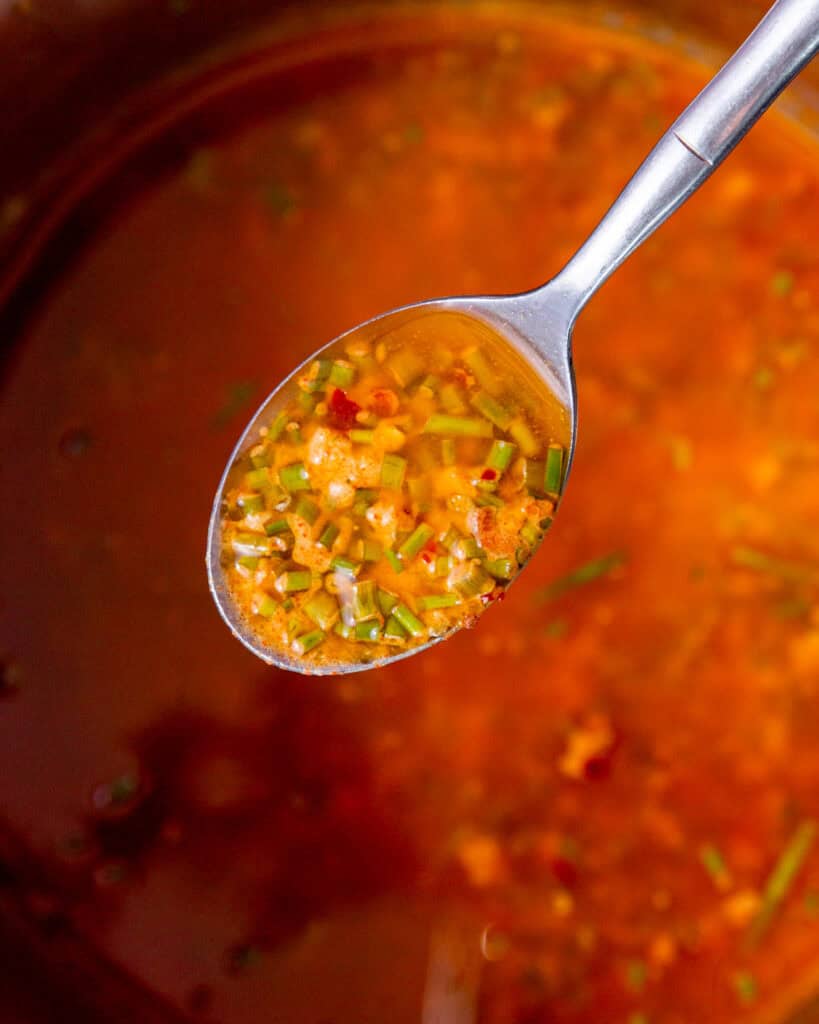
(539, 323)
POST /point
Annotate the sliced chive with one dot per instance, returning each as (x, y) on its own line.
(393, 469)
(485, 500)
(530, 534)
(371, 550)
(343, 630)
(367, 632)
(307, 402)
(322, 608)
(276, 428)
(429, 602)
(251, 544)
(329, 535)
(457, 426)
(416, 540)
(522, 433)
(395, 562)
(362, 436)
(406, 366)
(250, 504)
(500, 455)
(464, 548)
(448, 451)
(534, 477)
(317, 375)
(288, 604)
(364, 600)
(411, 623)
(307, 641)
(249, 562)
(386, 601)
(554, 470)
(307, 510)
(276, 526)
(342, 374)
(450, 537)
(500, 568)
(290, 582)
(474, 581)
(452, 399)
(394, 631)
(294, 477)
(260, 460)
(345, 565)
(442, 565)
(492, 410)
(781, 879)
(483, 372)
(266, 607)
(257, 480)
(363, 499)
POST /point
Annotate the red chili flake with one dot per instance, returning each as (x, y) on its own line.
(431, 546)
(489, 474)
(341, 410)
(426, 557)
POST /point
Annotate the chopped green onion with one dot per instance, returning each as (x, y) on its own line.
(781, 879)
(307, 510)
(411, 623)
(322, 609)
(276, 428)
(394, 631)
(448, 451)
(393, 469)
(500, 568)
(492, 410)
(290, 582)
(364, 600)
(342, 374)
(249, 562)
(452, 399)
(276, 526)
(416, 540)
(473, 582)
(484, 500)
(713, 862)
(307, 402)
(429, 602)
(368, 632)
(363, 499)
(251, 544)
(345, 566)
(457, 426)
(266, 607)
(307, 641)
(288, 604)
(386, 601)
(450, 537)
(530, 534)
(257, 480)
(484, 374)
(464, 548)
(534, 477)
(522, 433)
(395, 562)
(371, 550)
(442, 565)
(317, 375)
(554, 470)
(362, 436)
(260, 460)
(294, 477)
(406, 366)
(500, 455)
(328, 535)
(343, 630)
(250, 504)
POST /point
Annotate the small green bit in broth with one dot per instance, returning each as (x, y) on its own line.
(398, 492)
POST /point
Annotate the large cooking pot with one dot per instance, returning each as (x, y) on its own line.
(554, 819)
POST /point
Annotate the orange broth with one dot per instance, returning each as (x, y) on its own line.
(572, 814)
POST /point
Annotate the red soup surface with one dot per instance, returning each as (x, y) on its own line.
(599, 805)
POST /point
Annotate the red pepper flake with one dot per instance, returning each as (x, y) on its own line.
(489, 474)
(426, 557)
(341, 410)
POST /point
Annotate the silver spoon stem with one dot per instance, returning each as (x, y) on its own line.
(695, 144)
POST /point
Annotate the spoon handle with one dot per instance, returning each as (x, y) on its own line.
(698, 141)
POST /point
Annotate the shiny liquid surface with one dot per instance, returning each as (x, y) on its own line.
(515, 822)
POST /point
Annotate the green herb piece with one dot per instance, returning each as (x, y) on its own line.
(430, 602)
(288, 604)
(317, 376)
(484, 500)
(492, 410)
(782, 283)
(367, 632)
(329, 535)
(411, 623)
(266, 607)
(260, 461)
(554, 470)
(748, 558)
(416, 541)
(249, 562)
(442, 565)
(251, 544)
(276, 526)
(745, 987)
(276, 428)
(290, 582)
(362, 501)
(294, 477)
(500, 455)
(364, 604)
(307, 402)
(393, 630)
(322, 608)
(463, 548)
(362, 436)
(530, 534)
(534, 477)
(522, 433)
(714, 864)
(250, 504)
(371, 550)
(482, 371)
(395, 562)
(307, 510)
(594, 570)
(450, 537)
(457, 426)
(342, 375)
(448, 455)
(406, 366)
(386, 601)
(451, 398)
(307, 641)
(500, 568)
(393, 468)
(239, 395)
(345, 566)
(781, 879)
(343, 630)
(474, 581)
(258, 480)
